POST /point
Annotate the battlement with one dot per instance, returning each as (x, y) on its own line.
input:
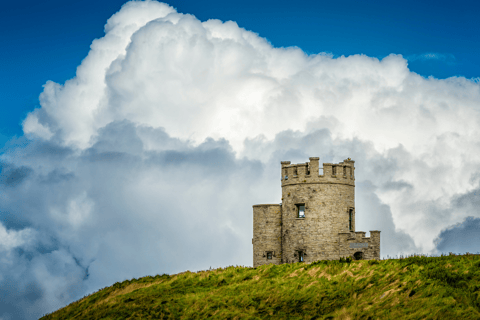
(339, 173)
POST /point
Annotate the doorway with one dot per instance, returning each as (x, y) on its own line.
(358, 255)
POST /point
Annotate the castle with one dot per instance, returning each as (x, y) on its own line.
(316, 219)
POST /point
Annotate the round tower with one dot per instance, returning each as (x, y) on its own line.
(316, 208)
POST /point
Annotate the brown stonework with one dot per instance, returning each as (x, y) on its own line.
(327, 230)
(266, 233)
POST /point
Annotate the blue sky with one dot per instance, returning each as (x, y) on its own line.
(140, 149)
(47, 40)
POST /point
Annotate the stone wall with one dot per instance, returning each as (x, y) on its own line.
(352, 242)
(267, 220)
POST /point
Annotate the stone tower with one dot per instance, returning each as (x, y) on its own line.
(316, 219)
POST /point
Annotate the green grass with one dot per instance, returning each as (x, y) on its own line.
(417, 287)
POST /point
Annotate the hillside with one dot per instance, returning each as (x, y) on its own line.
(446, 287)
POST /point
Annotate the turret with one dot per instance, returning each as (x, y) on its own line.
(315, 208)
(316, 219)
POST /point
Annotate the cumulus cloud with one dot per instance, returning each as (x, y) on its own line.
(149, 160)
(460, 238)
(10, 239)
(116, 211)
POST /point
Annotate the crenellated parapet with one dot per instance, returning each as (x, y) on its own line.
(304, 173)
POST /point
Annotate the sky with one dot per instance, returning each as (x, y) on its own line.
(135, 137)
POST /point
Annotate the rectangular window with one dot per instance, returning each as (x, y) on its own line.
(301, 210)
(334, 170)
(345, 171)
(269, 255)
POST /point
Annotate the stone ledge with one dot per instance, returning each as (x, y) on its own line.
(263, 205)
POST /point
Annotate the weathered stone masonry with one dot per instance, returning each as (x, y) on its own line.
(316, 219)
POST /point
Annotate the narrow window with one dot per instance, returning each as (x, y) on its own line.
(350, 214)
(301, 210)
(308, 169)
(269, 255)
(300, 256)
(334, 170)
(295, 171)
(344, 171)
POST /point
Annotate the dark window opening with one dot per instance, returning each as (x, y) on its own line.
(345, 171)
(300, 210)
(358, 255)
(334, 170)
(295, 171)
(269, 255)
(308, 169)
(300, 256)
(350, 215)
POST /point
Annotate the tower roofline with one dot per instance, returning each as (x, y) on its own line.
(309, 172)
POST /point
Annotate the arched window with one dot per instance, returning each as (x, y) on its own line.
(300, 256)
(358, 255)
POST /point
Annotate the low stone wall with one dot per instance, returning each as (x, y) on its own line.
(356, 245)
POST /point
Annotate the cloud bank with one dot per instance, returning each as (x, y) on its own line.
(149, 160)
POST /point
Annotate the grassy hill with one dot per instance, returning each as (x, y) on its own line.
(418, 287)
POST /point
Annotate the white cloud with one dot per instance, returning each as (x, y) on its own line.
(152, 156)
(448, 57)
(76, 212)
(32, 125)
(11, 239)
